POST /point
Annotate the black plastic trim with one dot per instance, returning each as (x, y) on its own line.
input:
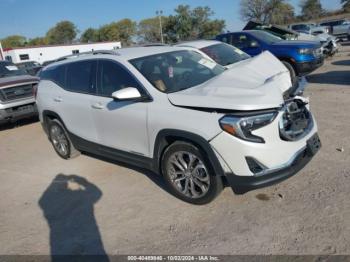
(111, 153)
(243, 184)
(166, 135)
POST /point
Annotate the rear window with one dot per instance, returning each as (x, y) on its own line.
(9, 69)
(224, 54)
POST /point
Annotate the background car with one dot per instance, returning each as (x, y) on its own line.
(16, 93)
(309, 28)
(31, 67)
(232, 57)
(305, 33)
(339, 28)
(222, 53)
(300, 57)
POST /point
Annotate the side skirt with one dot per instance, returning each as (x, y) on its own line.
(111, 153)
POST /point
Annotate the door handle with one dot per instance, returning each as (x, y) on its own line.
(97, 106)
(57, 99)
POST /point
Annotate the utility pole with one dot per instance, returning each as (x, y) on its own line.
(159, 14)
(2, 57)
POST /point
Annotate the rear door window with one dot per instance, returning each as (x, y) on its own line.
(81, 77)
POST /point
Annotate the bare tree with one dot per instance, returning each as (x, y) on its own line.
(259, 10)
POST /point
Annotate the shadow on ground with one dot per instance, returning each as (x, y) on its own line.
(345, 43)
(332, 77)
(18, 123)
(341, 63)
(68, 206)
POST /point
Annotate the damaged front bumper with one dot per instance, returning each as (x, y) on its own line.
(248, 165)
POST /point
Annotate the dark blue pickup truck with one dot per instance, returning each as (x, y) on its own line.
(300, 57)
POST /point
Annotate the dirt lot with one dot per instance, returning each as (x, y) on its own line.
(118, 210)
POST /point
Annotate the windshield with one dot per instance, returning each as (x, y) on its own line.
(9, 69)
(224, 54)
(266, 37)
(174, 71)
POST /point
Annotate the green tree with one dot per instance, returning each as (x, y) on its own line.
(13, 41)
(311, 9)
(62, 33)
(346, 5)
(122, 30)
(90, 35)
(37, 41)
(188, 24)
(149, 29)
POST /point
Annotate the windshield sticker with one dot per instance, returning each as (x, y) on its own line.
(11, 68)
(171, 72)
(207, 63)
(239, 51)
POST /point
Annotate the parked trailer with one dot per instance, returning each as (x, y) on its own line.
(42, 54)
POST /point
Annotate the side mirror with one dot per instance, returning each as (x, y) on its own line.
(128, 93)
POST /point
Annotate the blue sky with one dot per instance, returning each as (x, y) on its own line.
(33, 18)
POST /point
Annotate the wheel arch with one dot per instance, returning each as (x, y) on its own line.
(168, 136)
(49, 115)
(291, 61)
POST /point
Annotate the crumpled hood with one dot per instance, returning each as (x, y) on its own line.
(253, 84)
(262, 68)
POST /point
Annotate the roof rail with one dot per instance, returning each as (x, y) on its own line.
(153, 44)
(95, 52)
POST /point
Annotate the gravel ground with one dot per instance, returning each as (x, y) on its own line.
(112, 209)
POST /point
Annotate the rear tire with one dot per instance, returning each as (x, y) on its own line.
(189, 174)
(60, 140)
(293, 75)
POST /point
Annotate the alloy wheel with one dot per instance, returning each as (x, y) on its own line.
(188, 174)
(59, 140)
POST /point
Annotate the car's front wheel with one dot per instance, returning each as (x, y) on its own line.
(189, 174)
(60, 140)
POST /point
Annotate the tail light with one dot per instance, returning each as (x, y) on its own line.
(35, 90)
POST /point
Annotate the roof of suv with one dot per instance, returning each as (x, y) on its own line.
(136, 52)
(121, 54)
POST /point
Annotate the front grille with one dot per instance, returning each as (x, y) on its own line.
(296, 121)
(16, 92)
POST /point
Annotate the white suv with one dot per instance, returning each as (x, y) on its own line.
(174, 111)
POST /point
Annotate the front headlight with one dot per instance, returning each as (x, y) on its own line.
(242, 127)
(305, 51)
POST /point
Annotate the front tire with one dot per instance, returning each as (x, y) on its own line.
(189, 174)
(60, 140)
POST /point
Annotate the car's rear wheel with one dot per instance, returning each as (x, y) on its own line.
(60, 140)
(189, 174)
(293, 75)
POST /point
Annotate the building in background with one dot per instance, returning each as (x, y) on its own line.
(42, 54)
